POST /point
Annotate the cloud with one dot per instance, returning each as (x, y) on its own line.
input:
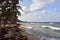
(50, 1)
(37, 11)
(43, 12)
(39, 4)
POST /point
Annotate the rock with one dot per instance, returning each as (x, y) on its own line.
(14, 33)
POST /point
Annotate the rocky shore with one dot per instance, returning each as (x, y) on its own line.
(14, 33)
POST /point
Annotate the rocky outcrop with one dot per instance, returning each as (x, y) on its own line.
(14, 33)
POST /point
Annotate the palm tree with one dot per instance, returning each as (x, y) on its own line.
(9, 11)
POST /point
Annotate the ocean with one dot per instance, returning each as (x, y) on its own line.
(43, 30)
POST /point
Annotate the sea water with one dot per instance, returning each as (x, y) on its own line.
(43, 30)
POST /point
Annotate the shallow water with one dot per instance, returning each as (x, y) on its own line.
(44, 31)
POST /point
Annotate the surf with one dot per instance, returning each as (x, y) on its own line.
(51, 27)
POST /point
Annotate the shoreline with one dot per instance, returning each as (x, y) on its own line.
(21, 29)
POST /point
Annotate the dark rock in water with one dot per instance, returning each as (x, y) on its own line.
(11, 33)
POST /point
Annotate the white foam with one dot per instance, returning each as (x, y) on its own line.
(29, 27)
(55, 28)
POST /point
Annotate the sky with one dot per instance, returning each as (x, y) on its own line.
(40, 10)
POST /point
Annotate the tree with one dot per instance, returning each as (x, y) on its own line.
(9, 11)
(8, 15)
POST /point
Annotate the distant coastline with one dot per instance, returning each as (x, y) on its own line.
(36, 22)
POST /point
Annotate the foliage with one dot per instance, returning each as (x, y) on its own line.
(9, 11)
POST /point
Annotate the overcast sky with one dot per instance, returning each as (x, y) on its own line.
(40, 10)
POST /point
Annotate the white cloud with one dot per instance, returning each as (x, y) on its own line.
(43, 12)
(39, 4)
(50, 1)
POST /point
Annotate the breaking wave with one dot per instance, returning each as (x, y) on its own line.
(51, 27)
